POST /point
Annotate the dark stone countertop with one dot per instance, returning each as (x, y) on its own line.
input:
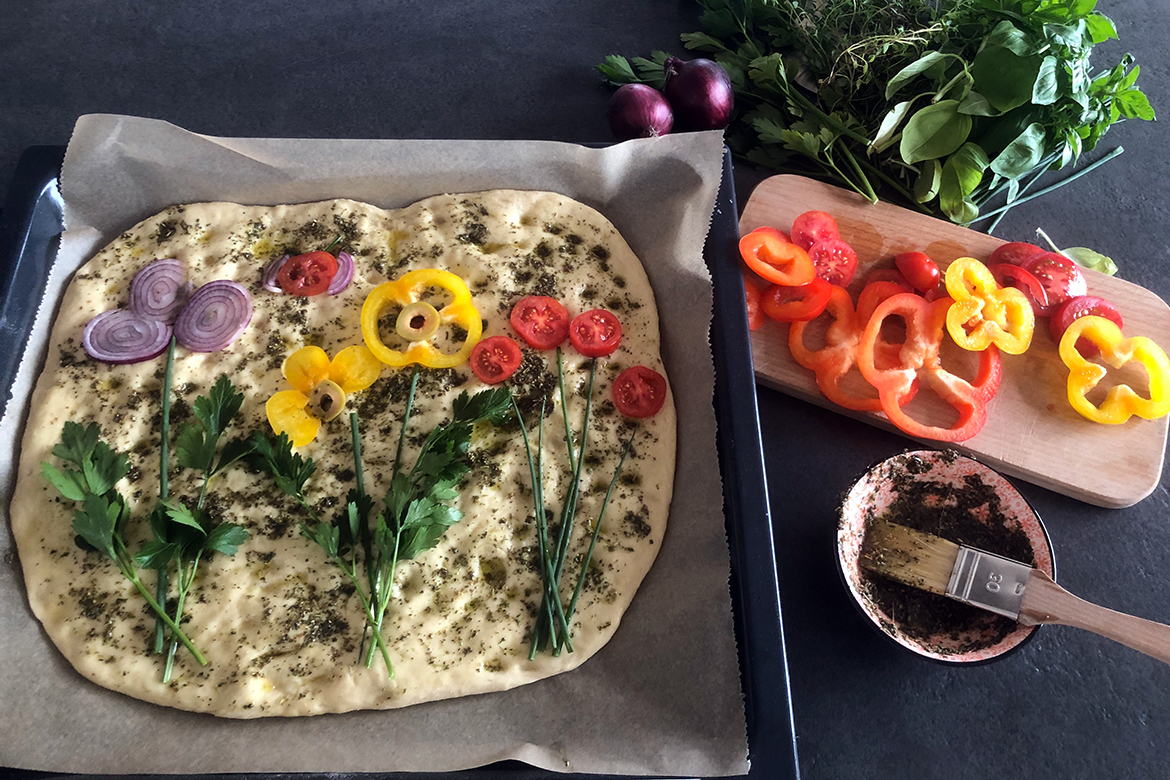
(1069, 705)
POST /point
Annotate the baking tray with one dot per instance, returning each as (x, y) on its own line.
(32, 220)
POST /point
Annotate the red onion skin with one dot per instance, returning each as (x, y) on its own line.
(699, 92)
(639, 111)
(268, 278)
(192, 329)
(344, 274)
(123, 336)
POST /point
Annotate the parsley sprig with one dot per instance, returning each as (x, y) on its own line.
(100, 522)
(415, 512)
(183, 535)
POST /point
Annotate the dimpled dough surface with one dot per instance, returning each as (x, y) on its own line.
(277, 621)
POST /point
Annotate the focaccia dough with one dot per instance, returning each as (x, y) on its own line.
(278, 621)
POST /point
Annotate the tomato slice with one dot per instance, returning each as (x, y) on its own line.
(802, 303)
(495, 358)
(308, 274)
(595, 333)
(919, 270)
(1014, 252)
(1009, 275)
(541, 321)
(1082, 306)
(1061, 278)
(835, 261)
(639, 392)
(768, 252)
(755, 314)
(813, 226)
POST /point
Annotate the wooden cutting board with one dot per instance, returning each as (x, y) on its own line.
(1032, 432)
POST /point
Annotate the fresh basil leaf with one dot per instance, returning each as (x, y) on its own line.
(1006, 35)
(1087, 258)
(1100, 28)
(1022, 154)
(927, 184)
(961, 174)
(1132, 104)
(1044, 90)
(887, 133)
(1004, 77)
(1070, 35)
(933, 132)
(976, 104)
(921, 65)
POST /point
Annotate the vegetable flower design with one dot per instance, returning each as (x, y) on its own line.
(418, 321)
(321, 387)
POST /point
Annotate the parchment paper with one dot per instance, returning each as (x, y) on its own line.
(663, 697)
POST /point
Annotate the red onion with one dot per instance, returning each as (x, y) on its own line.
(639, 111)
(271, 271)
(215, 316)
(344, 273)
(700, 93)
(123, 336)
(159, 290)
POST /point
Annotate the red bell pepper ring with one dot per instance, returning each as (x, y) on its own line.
(785, 303)
(832, 362)
(920, 360)
(886, 354)
(769, 254)
(755, 314)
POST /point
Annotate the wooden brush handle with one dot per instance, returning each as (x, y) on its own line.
(1047, 602)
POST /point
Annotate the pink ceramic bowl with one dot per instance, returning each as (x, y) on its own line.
(971, 505)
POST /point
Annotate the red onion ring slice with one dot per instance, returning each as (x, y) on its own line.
(271, 272)
(124, 336)
(159, 290)
(215, 316)
(344, 273)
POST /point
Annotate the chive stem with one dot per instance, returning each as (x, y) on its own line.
(161, 584)
(1051, 187)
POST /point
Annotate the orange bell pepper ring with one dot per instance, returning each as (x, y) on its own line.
(839, 354)
(766, 252)
(406, 290)
(1121, 402)
(919, 359)
(985, 313)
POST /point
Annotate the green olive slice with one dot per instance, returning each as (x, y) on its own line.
(327, 400)
(417, 321)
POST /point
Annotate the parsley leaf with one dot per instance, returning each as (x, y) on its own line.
(288, 468)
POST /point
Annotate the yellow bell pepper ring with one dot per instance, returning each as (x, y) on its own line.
(1121, 402)
(405, 291)
(985, 313)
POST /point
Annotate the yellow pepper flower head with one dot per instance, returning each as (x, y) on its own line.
(320, 389)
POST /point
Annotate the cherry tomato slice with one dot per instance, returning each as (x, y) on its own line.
(495, 358)
(541, 321)
(790, 304)
(1009, 275)
(1015, 252)
(813, 226)
(639, 392)
(1061, 278)
(919, 270)
(1082, 306)
(755, 314)
(835, 261)
(308, 274)
(595, 333)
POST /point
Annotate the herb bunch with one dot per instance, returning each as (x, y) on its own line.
(414, 513)
(943, 106)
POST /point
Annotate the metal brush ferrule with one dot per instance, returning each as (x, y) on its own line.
(989, 581)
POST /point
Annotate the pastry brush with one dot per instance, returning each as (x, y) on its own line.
(1001, 585)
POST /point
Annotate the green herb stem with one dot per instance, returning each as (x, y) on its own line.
(1052, 187)
(161, 584)
(126, 565)
(406, 418)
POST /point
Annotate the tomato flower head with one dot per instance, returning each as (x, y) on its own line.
(320, 389)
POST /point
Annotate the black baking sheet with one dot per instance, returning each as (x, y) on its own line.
(29, 226)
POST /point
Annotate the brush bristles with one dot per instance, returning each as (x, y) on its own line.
(915, 558)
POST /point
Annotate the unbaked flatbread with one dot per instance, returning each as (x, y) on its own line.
(277, 620)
